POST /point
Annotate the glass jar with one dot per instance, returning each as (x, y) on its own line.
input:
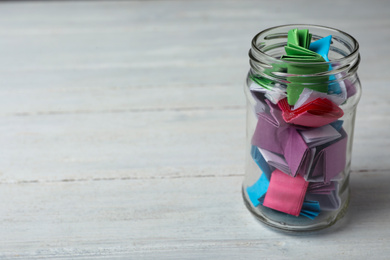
(300, 123)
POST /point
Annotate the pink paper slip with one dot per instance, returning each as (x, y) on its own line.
(285, 193)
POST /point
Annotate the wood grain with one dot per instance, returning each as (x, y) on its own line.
(122, 128)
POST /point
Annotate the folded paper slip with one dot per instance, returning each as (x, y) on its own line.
(309, 95)
(321, 187)
(317, 113)
(300, 37)
(283, 147)
(327, 201)
(273, 92)
(273, 115)
(285, 193)
(295, 151)
(270, 134)
(276, 160)
(256, 101)
(260, 161)
(257, 190)
(329, 160)
(297, 50)
(310, 209)
(320, 135)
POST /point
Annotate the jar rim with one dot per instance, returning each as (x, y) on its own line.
(354, 51)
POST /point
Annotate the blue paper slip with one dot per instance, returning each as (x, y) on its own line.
(310, 209)
(321, 47)
(260, 161)
(337, 124)
(257, 190)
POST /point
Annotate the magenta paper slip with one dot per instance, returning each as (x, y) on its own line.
(285, 193)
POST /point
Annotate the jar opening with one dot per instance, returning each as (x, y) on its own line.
(268, 48)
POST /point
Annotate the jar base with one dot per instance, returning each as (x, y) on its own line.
(280, 221)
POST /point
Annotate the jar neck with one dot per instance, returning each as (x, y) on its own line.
(268, 48)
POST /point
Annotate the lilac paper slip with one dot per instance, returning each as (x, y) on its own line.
(275, 160)
(295, 151)
(329, 201)
(321, 187)
(269, 136)
(329, 160)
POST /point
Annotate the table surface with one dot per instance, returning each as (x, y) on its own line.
(122, 130)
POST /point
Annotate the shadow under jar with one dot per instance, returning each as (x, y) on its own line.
(298, 152)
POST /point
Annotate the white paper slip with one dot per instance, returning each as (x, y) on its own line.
(320, 135)
(275, 160)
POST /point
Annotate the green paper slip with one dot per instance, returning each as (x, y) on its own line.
(264, 82)
(299, 37)
(297, 50)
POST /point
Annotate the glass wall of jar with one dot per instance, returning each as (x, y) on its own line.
(300, 124)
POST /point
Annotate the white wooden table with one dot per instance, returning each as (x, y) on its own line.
(122, 130)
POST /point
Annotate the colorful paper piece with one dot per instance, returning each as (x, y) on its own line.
(285, 193)
(268, 135)
(297, 50)
(320, 135)
(295, 151)
(309, 95)
(321, 46)
(260, 161)
(257, 190)
(351, 89)
(300, 37)
(275, 160)
(317, 113)
(329, 161)
(255, 100)
(337, 124)
(273, 115)
(273, 92)
(310, 209)
(321, 187)
(327, 201)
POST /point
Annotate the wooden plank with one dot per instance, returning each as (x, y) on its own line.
(122, 130)
(159, 143)
(121, 145)
(170, 218)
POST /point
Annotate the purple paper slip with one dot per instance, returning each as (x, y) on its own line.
(330, 160)
(321, 187)
(295, 151)
(268, 136)
(329, 201)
